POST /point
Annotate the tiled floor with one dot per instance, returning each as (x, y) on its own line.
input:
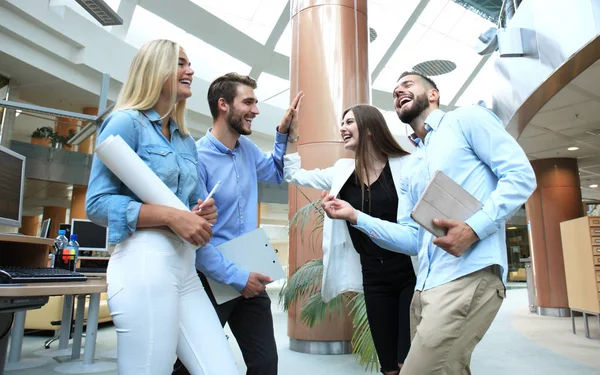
(517, 343)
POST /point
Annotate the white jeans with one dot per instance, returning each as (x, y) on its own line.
(161, 310)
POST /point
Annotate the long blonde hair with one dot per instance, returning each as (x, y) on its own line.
(151, 67)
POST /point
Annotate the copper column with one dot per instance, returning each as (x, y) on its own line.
(329, 62)
(556, 199)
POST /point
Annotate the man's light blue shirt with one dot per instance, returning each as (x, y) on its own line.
(236, 197)
(472, 147)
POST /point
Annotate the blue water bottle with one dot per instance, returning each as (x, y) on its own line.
(60, 243)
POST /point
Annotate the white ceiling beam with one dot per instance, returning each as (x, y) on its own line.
(216, 32)
(469, 80)
(126, 10)
(278, 30)
(399, 38)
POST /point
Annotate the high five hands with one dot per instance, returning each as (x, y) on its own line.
(290, 117)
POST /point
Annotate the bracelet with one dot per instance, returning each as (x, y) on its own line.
(293, 140)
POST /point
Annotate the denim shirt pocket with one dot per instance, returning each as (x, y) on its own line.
(191, 164)
(163, 162)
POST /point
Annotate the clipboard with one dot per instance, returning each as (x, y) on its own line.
(253, 252)
(443, 199)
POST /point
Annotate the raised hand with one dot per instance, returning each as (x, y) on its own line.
(290, 114)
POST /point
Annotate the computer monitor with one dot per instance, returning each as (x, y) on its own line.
(67, 228)
(12, 186)
(45, 229)
(90, 236)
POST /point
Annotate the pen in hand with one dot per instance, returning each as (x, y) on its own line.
(212, 192)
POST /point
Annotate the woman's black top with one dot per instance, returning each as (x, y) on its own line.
(381, 203)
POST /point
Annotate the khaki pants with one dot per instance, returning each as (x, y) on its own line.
(449, 320)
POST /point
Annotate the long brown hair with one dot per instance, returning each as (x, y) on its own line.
(369, 119)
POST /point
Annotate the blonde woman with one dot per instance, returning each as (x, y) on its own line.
(157, 302)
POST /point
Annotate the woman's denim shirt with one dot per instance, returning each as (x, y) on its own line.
(109, 202)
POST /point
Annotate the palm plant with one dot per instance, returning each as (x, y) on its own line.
(305, 285)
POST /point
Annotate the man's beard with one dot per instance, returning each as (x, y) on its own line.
(237, 123)
(420, 103)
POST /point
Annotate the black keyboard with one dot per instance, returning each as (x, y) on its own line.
(10, 274)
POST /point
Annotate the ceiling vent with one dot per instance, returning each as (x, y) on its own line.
(434, 67)
(372, 34)
(101, 12)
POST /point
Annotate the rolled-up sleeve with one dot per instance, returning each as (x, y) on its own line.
(104, 203)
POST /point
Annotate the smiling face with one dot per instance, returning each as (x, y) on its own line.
(349, 132)
(184, 78)
(243, 110)
(411, 98)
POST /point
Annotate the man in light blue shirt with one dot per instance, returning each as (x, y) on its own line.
(460, 278)
(225, 154)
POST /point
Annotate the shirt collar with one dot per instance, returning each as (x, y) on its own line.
(432, 122)
(151, 114)
(218, 144)
(434, 119)
(154, 117)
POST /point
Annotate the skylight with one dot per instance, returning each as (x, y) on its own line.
(207, 61)
(256, 18)
(444, 31)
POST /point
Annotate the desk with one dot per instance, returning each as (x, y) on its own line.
(29, 251)
(93, 287)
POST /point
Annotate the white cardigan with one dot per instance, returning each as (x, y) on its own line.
(342, 270)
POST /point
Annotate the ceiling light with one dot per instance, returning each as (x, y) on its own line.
(593, 186)
(101, 12)
(511, 228)
(574, 148)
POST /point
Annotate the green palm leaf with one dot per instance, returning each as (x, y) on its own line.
(309, 213)
(362, 341)
(314, 310)
(305, 282)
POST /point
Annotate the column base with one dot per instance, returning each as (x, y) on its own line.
(559, 312)
(320, 347)
(25, 364)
